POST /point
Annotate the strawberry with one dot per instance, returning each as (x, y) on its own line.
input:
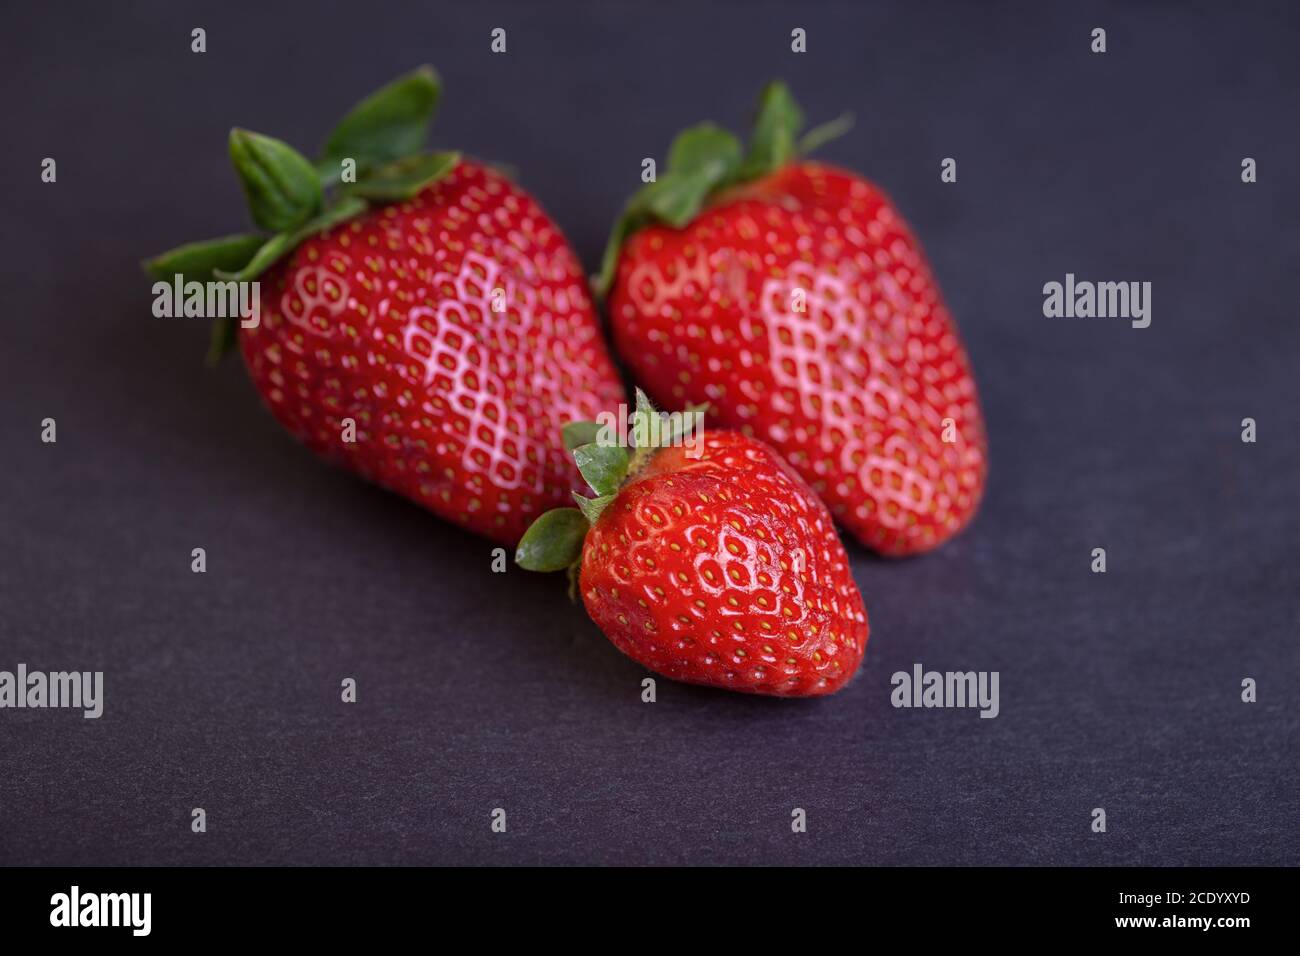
(793, 298)
(426, 325)
(713, 564)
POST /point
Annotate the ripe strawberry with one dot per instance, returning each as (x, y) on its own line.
(433, 304)
(721, 568)
(793, 298)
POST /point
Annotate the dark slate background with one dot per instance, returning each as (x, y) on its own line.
(480, 690)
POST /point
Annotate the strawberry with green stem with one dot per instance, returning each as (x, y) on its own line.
(424, 323)
(722, 569)
(793, 298)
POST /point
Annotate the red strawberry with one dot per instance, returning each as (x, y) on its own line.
(794, 299)
(433, 304)
(721, 568)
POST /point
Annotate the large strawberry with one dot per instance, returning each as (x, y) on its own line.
(423, 322)
(709, 562)
(793, 298)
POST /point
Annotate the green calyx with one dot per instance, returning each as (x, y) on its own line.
(375, 155)
(554, 541)
(706, 159)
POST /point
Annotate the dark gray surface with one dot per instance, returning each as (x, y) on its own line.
(479, 690)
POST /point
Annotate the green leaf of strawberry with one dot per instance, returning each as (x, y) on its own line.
(285, 242)
(553, 542)
(390, 124)
(705, 150)
(642, 420)
(403, 178)
(603, 466)
(772, 141)
(282, 186)
(222, 338)
(580, 433)
(823, 133)
(592, 507)
(199, 261)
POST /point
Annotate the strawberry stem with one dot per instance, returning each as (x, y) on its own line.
(704, 160)
(375, 155)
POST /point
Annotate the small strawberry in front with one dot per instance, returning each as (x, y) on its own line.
(793, 298)
(710, 562)
(424, 323)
